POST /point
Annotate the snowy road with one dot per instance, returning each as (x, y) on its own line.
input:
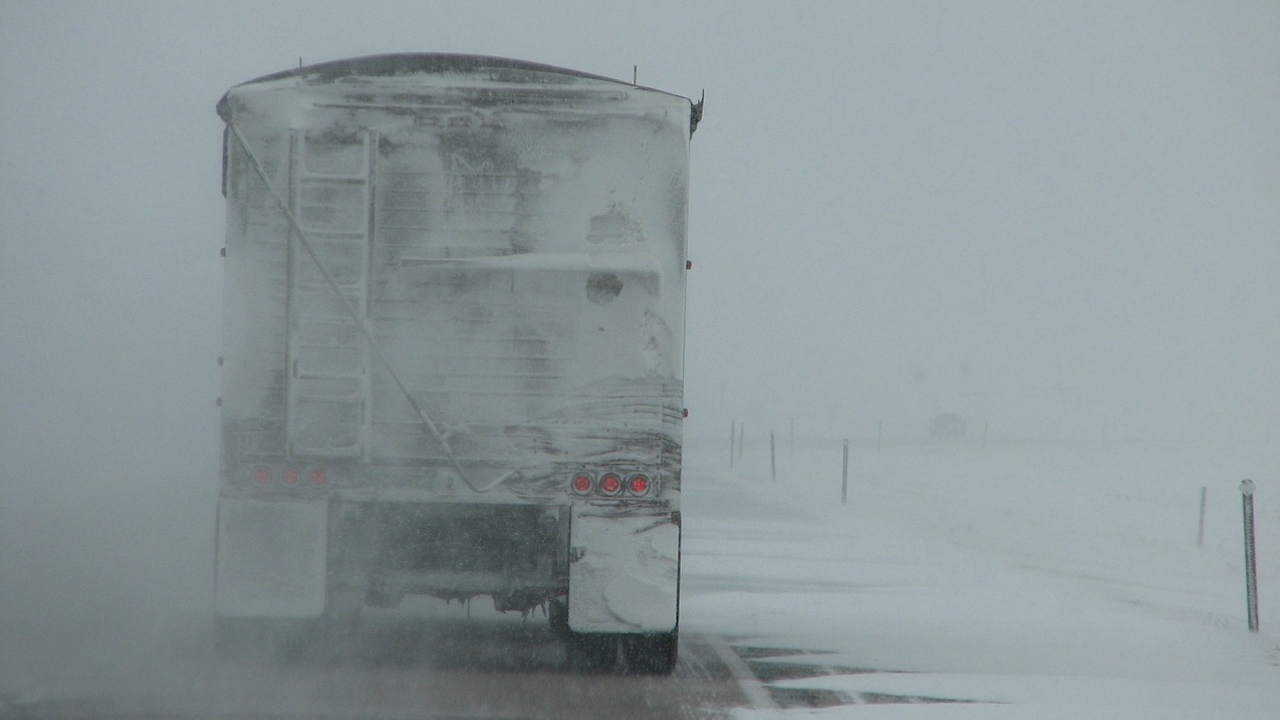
(407, 669)
(1027, 581)
(959, 582)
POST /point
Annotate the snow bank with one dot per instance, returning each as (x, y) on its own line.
(1012, 581)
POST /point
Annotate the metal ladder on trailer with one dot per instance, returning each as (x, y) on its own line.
(328, 383)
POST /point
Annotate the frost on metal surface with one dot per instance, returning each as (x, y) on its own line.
(624, 573)
(513, 237)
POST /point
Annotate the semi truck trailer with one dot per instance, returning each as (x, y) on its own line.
(453, 346)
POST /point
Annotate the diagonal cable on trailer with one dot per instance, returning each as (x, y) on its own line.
(361, 323)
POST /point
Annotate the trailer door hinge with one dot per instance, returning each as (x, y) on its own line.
(576, 553)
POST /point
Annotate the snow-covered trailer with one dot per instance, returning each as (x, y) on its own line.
(453, 347)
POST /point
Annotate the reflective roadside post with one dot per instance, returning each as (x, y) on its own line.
(1250, 560)
(1204, 495)
(844, 477)
(773, 459)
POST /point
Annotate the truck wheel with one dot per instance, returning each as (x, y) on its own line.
(558, 617)
(651, 654)
(237, 638)
(592, 652)
(328, 639)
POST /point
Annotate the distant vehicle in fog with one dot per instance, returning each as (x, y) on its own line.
(948, 425)
(453, 348)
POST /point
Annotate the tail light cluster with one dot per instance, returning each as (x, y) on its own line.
(612, 484)
(264, 476)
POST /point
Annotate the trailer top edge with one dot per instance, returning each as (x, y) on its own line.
(405, 65)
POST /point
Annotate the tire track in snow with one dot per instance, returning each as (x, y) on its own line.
(755, 691)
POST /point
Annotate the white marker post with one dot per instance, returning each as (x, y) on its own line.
(773, 459)
(1250, 560)
(1204, 495)
(742, 439)
(844, 477)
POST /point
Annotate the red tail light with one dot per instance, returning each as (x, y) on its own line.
(262, 476)
(610, 484)
(319, 477)
(290, 477)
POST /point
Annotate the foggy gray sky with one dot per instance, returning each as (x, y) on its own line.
(1059, 218)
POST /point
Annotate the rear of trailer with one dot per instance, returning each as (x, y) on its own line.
(453, 347)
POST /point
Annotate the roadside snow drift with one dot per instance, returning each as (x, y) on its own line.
(1013, 581)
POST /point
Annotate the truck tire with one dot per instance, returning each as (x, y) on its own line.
(651, 654)
(592, 653)
(238, 638)
(558, 617)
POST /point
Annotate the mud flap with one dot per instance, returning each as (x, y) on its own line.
(624, 571)
(271, 558)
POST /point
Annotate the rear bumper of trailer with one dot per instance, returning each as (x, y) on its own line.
(616, 567)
